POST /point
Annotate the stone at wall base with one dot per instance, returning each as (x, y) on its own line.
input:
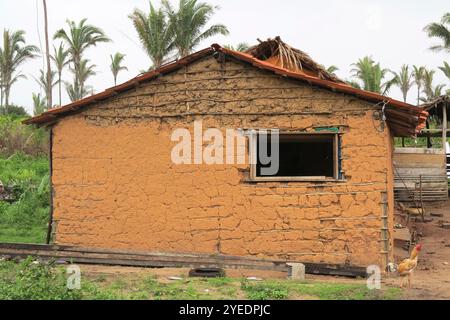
(296, 271)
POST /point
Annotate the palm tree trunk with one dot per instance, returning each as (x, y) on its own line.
(418, 95)
(1, 98)
(59, 84)
(49, 69)
(6, 99)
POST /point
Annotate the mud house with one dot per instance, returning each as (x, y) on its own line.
(332, 200)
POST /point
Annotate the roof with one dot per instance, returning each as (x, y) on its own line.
(283, 55)
(404, 119)
(435, 106)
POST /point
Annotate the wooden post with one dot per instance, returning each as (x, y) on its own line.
(50, 219)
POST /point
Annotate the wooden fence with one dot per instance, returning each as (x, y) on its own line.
(420, 174)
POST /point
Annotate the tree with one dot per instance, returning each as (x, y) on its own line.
(354, 84)
(155, 34)
(78, 90)
(49, 92)
(116, 65)
(403, 80)
(74, 91)
(371, 75)
(39, 104)
(85, 72)
(418, 75)
(446, 69)
(332, 69)
(241, 47)
(429, 89)
(188, 24)
(46, 86)
(440, 30)
(61, 60)
(80, 37)
(12, 55)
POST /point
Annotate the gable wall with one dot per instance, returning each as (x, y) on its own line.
(116, 186)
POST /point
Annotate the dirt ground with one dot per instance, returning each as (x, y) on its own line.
(431, 278)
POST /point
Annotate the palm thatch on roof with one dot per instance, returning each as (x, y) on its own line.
(434, 107)
(285, 56)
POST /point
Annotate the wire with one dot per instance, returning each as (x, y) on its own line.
(382, 116)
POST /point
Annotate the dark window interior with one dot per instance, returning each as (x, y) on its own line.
(302, 156)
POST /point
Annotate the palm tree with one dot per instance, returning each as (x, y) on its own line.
(446, 69)
(85, 72)
(418, 75)
(74, 92)
(154, 33)
(80, 37)
(241, 47)
(39, 104)
(354, 84)
(78, 89)
(429, 89)
(371, 75)
(12, 55)
(61, 60)
(440, 30)
(42, 82)
(188, 24)
(332, 69)
(404, 80)
(116, 65)
(49, 93)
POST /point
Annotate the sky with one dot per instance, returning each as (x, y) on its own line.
(332, 32)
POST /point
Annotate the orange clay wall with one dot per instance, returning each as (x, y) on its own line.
(115, 185)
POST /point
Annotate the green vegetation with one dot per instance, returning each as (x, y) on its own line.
(13, 53)
(31, 280)
(116, 65)
(27, 180)
(166, 29)
(24, 178)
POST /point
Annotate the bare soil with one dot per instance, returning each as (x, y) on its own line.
(431, 279)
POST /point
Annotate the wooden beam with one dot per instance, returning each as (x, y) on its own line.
(173, 260)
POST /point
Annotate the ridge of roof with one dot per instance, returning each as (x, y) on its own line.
(405, 118)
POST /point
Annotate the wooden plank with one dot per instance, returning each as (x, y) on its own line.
(421, 158)
(419, 150)
(400, 171)
(148, 259)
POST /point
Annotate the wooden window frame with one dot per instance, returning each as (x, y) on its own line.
(253, 147)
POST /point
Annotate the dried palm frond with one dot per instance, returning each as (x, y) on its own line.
(289, 58)
(435, 106)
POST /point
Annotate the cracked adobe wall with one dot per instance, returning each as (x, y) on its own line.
(116, 187)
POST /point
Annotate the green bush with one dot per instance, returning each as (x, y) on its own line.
(265, 291)
(28, 179)
(33, 281)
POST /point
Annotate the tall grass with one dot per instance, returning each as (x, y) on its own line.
(18, 138)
